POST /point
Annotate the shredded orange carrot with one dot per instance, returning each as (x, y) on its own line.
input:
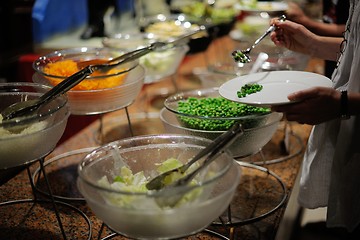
(66, 68)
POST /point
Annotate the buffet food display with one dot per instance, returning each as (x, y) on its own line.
(158, 64)
(182, 115)
(100, 92)
(112, 177)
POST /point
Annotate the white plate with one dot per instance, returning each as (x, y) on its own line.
(266, 6)
(277, 85)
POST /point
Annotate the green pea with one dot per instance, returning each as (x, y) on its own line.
(249, 89)
(216, 107)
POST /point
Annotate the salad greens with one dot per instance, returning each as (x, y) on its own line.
(130, 182)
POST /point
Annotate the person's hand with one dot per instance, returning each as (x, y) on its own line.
(296, 14)
(312, 106)
(293, 36)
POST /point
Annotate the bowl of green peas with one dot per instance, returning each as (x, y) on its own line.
(204, 113)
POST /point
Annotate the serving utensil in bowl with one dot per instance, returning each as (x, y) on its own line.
(24, 108)
(211, 151)
(163, 61)
(99, 92)
(158, 64)
(137, 214)
(27, 107)
(26, 139)
(137, 53)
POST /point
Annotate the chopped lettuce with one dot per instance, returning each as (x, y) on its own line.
(127, 181)
(168, 165)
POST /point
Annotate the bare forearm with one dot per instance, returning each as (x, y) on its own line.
(324, 29)
(325, 47)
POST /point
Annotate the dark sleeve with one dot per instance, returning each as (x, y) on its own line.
(342, 11)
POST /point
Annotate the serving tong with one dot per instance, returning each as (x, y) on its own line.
(24, 108)
(170, 195)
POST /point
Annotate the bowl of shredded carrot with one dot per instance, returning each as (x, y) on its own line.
(98, 93)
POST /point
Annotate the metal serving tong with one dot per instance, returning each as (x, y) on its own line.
(28, 107)
(24, 108)
(158, 45)
(170, 195)
(213, 150)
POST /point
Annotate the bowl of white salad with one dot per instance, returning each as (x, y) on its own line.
(30, 137)
(113, 179)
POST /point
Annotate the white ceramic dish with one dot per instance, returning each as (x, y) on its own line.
(277, 85)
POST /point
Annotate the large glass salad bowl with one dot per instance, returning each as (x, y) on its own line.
(112, 179)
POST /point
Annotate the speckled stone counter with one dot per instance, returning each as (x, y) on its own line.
(256, 210)
(258, 194)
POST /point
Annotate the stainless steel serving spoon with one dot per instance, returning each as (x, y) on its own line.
(243, 55)
(168, 195)
(28, 107)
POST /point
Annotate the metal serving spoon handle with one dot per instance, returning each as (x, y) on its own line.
(23, 108)
(139, 52)
(243, 55)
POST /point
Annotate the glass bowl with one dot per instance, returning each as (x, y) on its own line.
(98, 93)
(158, 64)
(174, 25)
(230, 67)
(211, 79)
(220, 17)
(258, 128)
(137, 214)
(26, 139)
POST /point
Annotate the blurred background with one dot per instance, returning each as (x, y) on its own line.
(32, 27)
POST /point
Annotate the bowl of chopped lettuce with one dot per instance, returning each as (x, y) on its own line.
(158, 64)
(100, 92)
(113, 181)
(204, 113)
(28, 138)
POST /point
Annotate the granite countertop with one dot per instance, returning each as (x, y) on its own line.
(257, 209)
